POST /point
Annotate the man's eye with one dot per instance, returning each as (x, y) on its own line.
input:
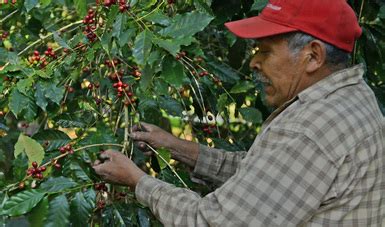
(263, 51)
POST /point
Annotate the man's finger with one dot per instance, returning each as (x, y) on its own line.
(139, 136)
(97, 162)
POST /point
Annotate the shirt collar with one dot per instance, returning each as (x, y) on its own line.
(332, 83)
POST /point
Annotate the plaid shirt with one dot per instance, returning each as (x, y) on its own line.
(319, 161)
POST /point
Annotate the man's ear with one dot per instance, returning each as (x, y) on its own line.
(315, 56)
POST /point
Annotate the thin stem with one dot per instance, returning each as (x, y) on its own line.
(168, 164)
(8, 16)
(47, 36)
(126, 133)
(154, 10)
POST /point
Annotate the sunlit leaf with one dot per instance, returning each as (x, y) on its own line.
(30, 147)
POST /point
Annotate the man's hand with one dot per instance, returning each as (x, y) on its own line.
(117, 168)
(152, 135)
(181, 150)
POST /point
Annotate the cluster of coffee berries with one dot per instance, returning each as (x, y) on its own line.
(180, 55)
(113, 63)
(13, 2)
(66, 148)
(89, 22)
(50, 53)
(91, 86)
(136, 72)
(101, 204)
(4, 35)
(36, 59)
(35, 171)
(120, 88)
(123, 6)
(101, 187)
(208, 128)
(217, 81)
(203, 73)
(108, 3)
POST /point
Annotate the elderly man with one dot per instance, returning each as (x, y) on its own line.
(319, 159)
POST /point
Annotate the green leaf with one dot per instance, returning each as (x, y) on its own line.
(142, 47)
(166, 155)
(22, 202)
(70, 59)
(38, 213)
(251, 114)
(45, 3)
(172, 72)
(30, 4)
(73, 170)
(52, 139)
(58, 215)
(146, 78)
(41, 100)
(223, 71)
(55, 94)
(144, 218)
(203, 6)
(159, 18)
(171, 106)
(58, 184)
(81, 210)
(17, 102)
(259, 4)
(106, 41)
(173, 45)
(222, 102)
(149, 110)
(187, 24)
(126, 36)
(30, 147)
(118, 26)
(81, 7)
(25, 85)
(381, 13)
(242, 87)
(60, 41)
(42, 74)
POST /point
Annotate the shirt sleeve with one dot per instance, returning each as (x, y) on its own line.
(217, 165)
(283, 183)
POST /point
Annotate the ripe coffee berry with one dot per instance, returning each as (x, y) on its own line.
(34, 164)
(66, 148)
(21, 185)
(57, 166)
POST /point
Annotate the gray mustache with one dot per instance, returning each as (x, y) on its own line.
(259, 77)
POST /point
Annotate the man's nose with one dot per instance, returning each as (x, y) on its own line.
(255, 63)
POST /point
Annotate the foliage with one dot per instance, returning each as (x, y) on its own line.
(76, 75)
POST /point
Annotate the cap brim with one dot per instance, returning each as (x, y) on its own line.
(256, 27)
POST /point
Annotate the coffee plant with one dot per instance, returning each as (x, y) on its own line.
(76, 75)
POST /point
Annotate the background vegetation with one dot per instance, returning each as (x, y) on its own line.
(76, 75)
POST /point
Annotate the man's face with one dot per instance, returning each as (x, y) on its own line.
(281, 68)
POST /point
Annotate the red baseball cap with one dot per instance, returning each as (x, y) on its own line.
(332, 21)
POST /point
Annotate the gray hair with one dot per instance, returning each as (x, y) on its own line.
(336, 58)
